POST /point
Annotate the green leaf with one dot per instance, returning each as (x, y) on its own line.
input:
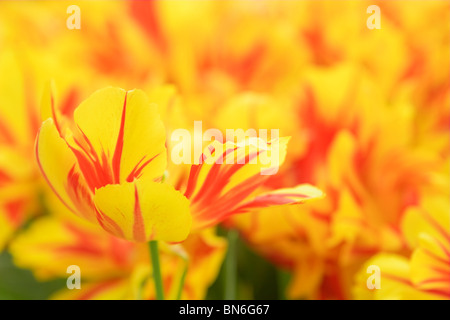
(20, 284)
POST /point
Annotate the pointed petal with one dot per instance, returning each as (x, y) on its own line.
(230, 174)
(296, 195)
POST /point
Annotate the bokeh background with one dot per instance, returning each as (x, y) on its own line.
(368, 112)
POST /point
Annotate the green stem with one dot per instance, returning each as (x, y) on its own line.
(283, 278)
(179, 252)
(141, 289)
(183, 277)
(231, 266)
(157, 279)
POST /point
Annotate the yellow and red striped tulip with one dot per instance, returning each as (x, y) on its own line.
(426, 273)
(113, 268)
(233, 185)
(106, 164)
(52, 244)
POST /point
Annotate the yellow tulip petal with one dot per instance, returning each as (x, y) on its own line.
(430, 265)
(229, 175)
(6, 229)
(124, 131)
(59, 167)
(395, 281)
(115, 289)
(143, 210)
(286, 196)
(394, 278)
(206, 252)
(50, 245)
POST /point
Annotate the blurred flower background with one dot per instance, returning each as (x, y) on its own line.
(367, 110)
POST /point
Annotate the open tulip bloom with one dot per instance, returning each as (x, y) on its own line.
(107, 162)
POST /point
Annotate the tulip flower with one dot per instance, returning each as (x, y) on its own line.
(219, 190)
(426, 274)
(106, 165)
(100, 255)
(113, 268)
(324, 241)
(20, 183)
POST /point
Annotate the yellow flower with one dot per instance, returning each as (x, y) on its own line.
(426, 274)
(19, 121)
(113, 268)
(230, 179)
(50, 245)
(370, 177)
(106, 165)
